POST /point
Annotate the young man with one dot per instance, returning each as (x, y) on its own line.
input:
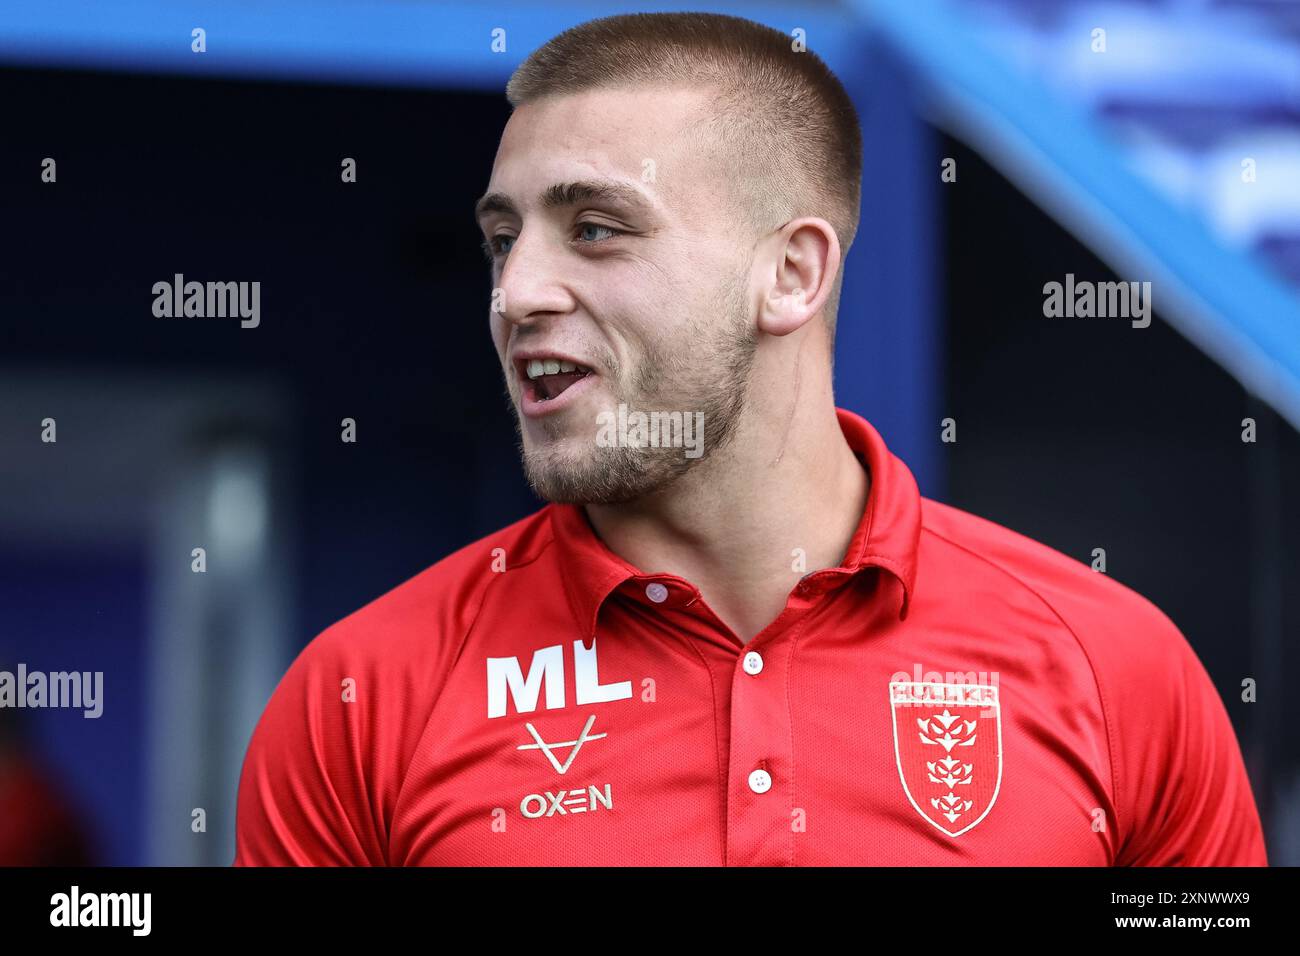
(737, 635)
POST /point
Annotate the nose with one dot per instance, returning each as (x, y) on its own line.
(530, 284)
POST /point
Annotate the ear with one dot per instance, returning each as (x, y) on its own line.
(806, 260)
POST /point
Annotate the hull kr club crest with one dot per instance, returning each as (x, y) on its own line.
(948, 745)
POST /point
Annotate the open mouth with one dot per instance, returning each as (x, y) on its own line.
(547, 379)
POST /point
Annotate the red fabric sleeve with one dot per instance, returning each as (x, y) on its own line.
(323, 774)
(1183, 796)
(301, 800)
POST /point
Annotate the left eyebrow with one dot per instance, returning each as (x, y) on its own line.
(560, 195)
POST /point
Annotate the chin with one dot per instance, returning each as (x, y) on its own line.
(558, 442)
(597, 476)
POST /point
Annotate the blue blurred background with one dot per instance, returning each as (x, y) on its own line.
(1164, 148)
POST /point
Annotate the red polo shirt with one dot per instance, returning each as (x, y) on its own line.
(953, 693)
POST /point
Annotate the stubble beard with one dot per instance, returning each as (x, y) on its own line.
(708, 373)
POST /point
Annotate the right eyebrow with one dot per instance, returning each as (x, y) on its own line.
(570, 194)
(560, 195)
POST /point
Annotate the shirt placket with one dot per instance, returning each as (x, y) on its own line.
(761, 811)
(760, 778)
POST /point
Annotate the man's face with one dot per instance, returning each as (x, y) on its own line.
(614, 250)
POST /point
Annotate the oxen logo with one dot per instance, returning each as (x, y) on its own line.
(549, 749)
(948, 746)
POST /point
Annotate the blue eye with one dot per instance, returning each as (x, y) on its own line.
(583, 227)
(589, 233)
(495, 246)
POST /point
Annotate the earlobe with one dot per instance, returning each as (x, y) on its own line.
(785, 310)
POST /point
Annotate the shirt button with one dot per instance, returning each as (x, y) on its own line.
(753, 662)
(760, 781)
(656, 592)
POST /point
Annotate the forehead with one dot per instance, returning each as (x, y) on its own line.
(636, 135)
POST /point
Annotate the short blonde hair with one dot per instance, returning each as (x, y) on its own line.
(780, 119)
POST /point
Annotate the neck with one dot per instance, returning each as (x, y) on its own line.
(736, 525)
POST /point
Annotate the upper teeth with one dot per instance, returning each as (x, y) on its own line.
(538, 367)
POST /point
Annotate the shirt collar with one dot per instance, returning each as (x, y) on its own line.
(886, 536)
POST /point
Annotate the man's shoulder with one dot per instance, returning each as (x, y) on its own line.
(389, 662)
(1110, 619)
(1178, 787)
(436, 607)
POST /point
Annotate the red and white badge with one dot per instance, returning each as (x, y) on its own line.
(948, 745)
